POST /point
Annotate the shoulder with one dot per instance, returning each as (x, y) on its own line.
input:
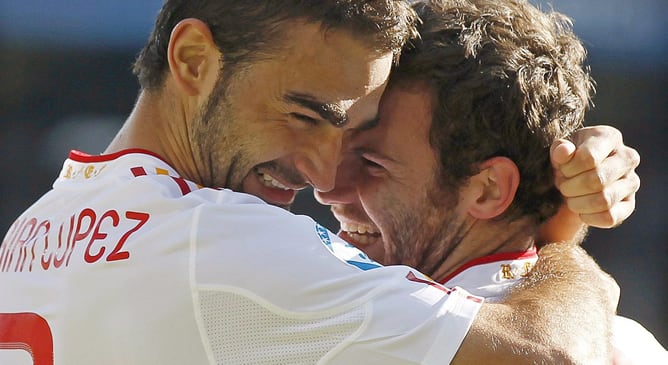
(255, 238)
(634, 344)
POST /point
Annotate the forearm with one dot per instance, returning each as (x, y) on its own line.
(565, 226)
(560, 314)
(500, 336)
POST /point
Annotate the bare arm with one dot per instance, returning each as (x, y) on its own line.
(560, 314)
(596, 175)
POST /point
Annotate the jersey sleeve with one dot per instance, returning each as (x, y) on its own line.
(271, 285)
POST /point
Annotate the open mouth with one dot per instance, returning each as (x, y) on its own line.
(360, 234)
(274, 191)
(270, 181)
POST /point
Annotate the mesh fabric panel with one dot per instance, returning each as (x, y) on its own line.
(245, 332)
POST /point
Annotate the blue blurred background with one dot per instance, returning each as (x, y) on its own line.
(65, 83)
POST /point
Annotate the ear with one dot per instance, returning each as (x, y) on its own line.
(495, 187)
(194, 59)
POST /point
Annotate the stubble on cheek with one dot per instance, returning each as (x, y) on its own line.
(219, 145)
(424, 235)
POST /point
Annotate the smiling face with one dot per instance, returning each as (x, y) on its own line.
(388, 184)
(279, 124)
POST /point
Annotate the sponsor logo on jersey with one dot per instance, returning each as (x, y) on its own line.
(515, 270)
(345, 251)
(77, 171)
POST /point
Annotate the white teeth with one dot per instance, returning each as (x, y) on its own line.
(362, 239)
(359, 228)
(268, 180)
(362, 234)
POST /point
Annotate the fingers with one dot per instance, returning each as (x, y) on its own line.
(561, 152)
(605, 198)
(608, 207)
(594, 144)
(610, 218)
(596, 175)
(618, 166)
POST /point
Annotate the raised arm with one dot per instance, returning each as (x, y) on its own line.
(560, 314)
(595, 173)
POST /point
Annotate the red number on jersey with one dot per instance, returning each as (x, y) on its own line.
(28, 332)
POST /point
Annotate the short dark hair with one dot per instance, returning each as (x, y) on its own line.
(244, 30)
(508, 80)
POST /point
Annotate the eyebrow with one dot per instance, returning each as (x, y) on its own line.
(328, 111)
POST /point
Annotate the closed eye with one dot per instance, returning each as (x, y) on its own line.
(304, 118)
(373, 164)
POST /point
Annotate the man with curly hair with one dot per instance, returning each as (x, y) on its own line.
(456, 178)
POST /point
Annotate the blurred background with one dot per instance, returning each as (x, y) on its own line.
(66, 83)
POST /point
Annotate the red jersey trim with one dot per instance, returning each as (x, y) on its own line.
(411, 276)
(185, 189)
(503, 256)
(138, 171)
(86, 158)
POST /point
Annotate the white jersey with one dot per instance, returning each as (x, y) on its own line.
(125, 262)
(492, 276)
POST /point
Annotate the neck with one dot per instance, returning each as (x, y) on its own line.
(486, 237)
(158, 124)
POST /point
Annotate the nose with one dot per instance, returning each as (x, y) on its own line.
(319, 159)
(344, 191)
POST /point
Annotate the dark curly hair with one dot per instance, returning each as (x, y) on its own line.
(507, 80)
